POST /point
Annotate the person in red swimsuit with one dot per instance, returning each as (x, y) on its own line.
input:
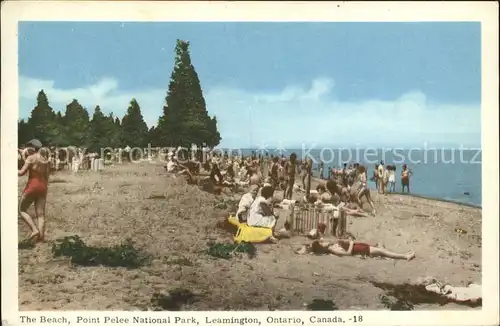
(350, 248)
(37, 165)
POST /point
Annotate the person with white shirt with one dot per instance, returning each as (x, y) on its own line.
(392, 178)
(246, 202)
(261, 211)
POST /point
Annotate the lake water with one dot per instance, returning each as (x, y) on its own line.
(444, 174)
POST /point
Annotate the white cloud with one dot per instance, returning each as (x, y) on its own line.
(291, 117)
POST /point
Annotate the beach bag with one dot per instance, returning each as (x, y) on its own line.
(248, 233)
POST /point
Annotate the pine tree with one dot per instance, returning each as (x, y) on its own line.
(214, 135)
(42, 122)
(134, 129)
(77, 124)
(185, 118)
(98, 131)
(153, 137)
(24, 132)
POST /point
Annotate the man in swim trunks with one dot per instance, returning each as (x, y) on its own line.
(37, 166)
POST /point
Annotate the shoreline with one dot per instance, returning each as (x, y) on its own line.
(443, 200)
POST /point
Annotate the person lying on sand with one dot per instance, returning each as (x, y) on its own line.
(350, 248)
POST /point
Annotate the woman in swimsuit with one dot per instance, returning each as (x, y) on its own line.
(351, 248)
(37, 166)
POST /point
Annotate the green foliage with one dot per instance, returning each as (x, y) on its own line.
(135, 130)
(227, 250)
(124, 255)
(395, 304)
(76, 125)
(26, 244)
(24, 131)
(322, 305)
(42, 121)
(185, 119)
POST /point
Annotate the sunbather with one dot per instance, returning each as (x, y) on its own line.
(350, 248)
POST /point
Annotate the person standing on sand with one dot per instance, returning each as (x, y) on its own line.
(386, 177)
(363, 190)
(37, 166)
(290, 167)
(380, 178)
(274, 172)
(375, 176)
(405, 179)
(392, 178)
(321, 170)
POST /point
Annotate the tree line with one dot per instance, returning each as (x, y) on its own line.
(184, 120)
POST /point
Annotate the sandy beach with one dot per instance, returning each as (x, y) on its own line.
(170, 220)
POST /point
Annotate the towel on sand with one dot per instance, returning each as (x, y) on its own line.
(248, 233)
(472, 292)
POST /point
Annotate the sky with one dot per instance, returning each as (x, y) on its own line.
(273, 84)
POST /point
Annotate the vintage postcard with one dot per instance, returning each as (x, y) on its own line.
(260, 163)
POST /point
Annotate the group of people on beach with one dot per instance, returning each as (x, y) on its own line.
(385, 178)
(341, 194)
(263, 175)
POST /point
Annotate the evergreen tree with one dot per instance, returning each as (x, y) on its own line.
(42, 122)
(77, 124)
(214, 135)
(134, 129)
(113, 133)
(185, 118)
(24, 132)
(98, 131)
(153, 137)
(60, 133)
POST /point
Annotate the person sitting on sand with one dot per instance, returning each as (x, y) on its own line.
(38, 168)
(261, 211)
(351, 248)
(246, 202)
(215, 174)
